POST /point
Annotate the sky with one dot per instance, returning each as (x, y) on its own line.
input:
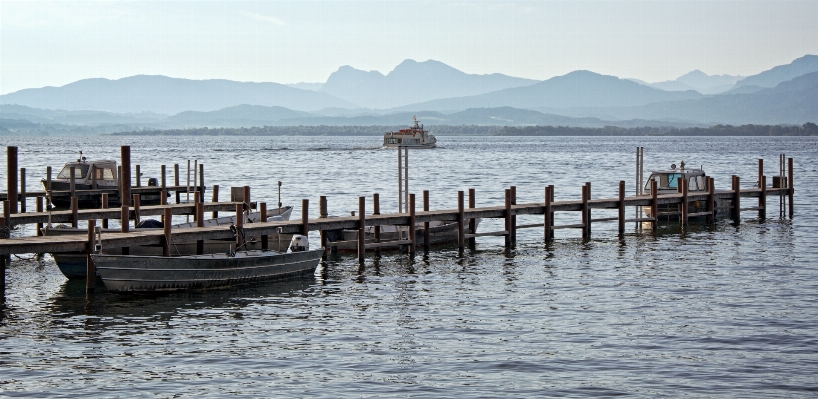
(56, 43)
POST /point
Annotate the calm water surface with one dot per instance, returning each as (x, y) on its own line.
(711, 310)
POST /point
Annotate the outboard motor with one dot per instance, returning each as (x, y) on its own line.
(152, 181)
(299, 244)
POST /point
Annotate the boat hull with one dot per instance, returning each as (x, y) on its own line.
(122, 274)
(439, 234)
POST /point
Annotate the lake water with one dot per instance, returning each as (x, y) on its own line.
(709, 310)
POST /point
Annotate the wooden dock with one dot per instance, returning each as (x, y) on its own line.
(463, 216)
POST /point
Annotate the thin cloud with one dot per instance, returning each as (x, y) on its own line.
(264, 18)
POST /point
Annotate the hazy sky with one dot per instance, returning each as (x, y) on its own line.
(55, 43)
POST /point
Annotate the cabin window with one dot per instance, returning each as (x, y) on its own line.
(671, 180)
(700, 179)
(692, 184)
(80, 171)
(105, 173)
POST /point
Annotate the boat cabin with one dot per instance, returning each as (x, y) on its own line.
(668, 180)
(104, 170)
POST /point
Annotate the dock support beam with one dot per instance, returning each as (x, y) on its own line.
(123, 223)
(103, 205)
(585, 210)
(125, 154)
(39, 208)
(654, 204)
(90, 270)
(137, 203)
(74, 212)
(736, 199)
(685, 202)
(621, 204)
(199, 223)
(513, 231)
(22, 190)
(11, 180)
(376, 210)
(216, 199)
(472, 222)
(711, 199)
(547, 231)
(762, 200)
(412, 235)
(239, 226)
(167, 230)
(508, 217)
(461, 239)
(176, 183)
(305, 217)
(790, 181)
(3, 258)
(265, 239)
(426, 235)
(361, 229)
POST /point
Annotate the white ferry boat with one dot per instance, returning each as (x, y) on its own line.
(413, 137)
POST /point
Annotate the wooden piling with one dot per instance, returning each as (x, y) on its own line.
(74, 212)
(711, 199)
(199, 223)
(513, 230)
(125, 155)
(412, 235)
(305, 216)
(104, 205)
(685, 203)
(654, 204)
(39, 209)
(23, 198)
(164, 176)
(11, 179)
(72, 185)
(138, 176)
(376, 210)
(48, 181)
(3, 257)
(621, 205)
(426, 235)
(588, 210)
(246, 195)
(507, 216)
(361, 229)
(736, 199)
(551, 214)
(94, 184)
(461, 239)
(196, 200)
(90, 270)
(176, 183)
(265, 239)
(216, 199)
(166, 241)
(239, 226)
(547, 214)
(762, 200)
(7, 213)
(123, 223)
(790, 181)
(584, 211)
(136, 208)
(201, 180)
(472, 222)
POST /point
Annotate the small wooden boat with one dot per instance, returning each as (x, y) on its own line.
(128, 273)
(413, 137)
(73, 264)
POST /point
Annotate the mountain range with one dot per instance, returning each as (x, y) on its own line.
(785, 94)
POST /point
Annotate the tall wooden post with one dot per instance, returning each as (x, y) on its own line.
(125, 155)
(48, 182)
(472, 221)
(104, 205)
(90, 270)
(74, 212)
(621, 204)
(685, 202)
(654, 204)
(508, 217)
(167, 230)
(711, 199)
(588, 209)
(305, 217)
(199, 223)
(239, 226)
(323, 213)
(136, 205)
(513, 231)
(201, 180)
(22, 190)
(584, 211)
(736, 199)
(426, 235)
(123, 223)
(376, 210)
(361, 229)
(39, 209)
(164, 182)
(246, 196)
(11, 179)
(547, 214)
(265, 239)
(762, 199)
(72, 184)
(216, 199)
(790, 181)
(94, 184)
(3, 258)
(412, 231)
(138, 176)
(461, 239)
(551, 213)
(176, 183)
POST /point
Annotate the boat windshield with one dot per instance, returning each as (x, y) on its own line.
(80, 171)
(665, 180)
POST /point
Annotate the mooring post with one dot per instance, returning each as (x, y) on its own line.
(461, 239)
(74, 212)
(621, 204)
(508, 216)
(588, 209)
(412, 231)
(104, 205)
(176, 183)
(201, 180)
(94, 177)
(265, 239)
(546, 215)
(790, 181)
(136, 205)
(3, 257)
(125, 155)
(551, 213)
(90, 270)
(239, 226)
(736, 199)
(196, 196)
(711, 199)
(685, 202)
(216, 199)
(361, 229)
(164, 181)
(305, 217)
(426, 235)
(123, 223)
(138, 176)
(72, 185)
(199, 223)
(584, 211)
(167, 230)
(11, 179)
(7, 212)
(472, 222)
(39, 208)
(246, 196)
(654, 203)
(23, 198)
(513, 217)
(376, 210)
(48, 181)
(762, 200)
